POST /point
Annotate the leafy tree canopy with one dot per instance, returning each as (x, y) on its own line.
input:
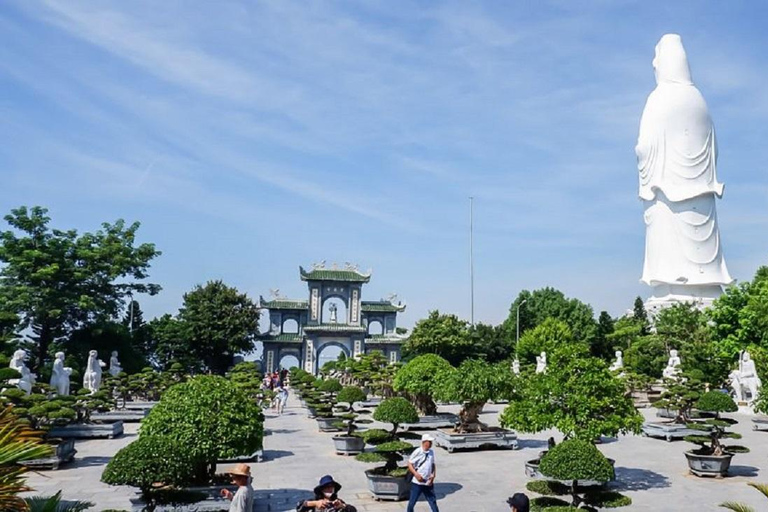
(444, 335)
(545, 337)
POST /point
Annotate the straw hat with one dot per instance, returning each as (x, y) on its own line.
(240, 470)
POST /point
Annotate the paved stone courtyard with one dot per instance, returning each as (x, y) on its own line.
(653, 472)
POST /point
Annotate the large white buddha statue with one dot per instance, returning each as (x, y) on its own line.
(677, 157)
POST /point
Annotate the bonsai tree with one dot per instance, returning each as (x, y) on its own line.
(574, 460)
(210, 418)
(711, 443)
(396, 410)
(473, 384)
(246, 377)
(40, 410)
(761, 404)
(419, 379)
(740, 507)
(681, 395)
(350, 395)
(153, 464)
(578, 395)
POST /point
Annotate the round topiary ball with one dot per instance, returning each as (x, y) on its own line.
(715, 401)
(575, 459)
(350, 395)
(396, 410)
(330, 386)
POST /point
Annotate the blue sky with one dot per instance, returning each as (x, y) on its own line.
(252, 137)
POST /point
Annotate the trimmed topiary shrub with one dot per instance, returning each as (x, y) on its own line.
(349, 395)
(574, 460)
(716, 402)
(332, 386)
(152, 462)
(715, 430)
(419, 378)
(396, 410)
(211, 418)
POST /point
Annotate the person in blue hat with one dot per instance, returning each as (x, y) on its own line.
(326, 498)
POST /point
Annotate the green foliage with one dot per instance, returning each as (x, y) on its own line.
(578, 395)
(761, 404)
(645, 355)
(607, 499)
(104, 336)
(549, 504)
(444, 335)
(576, 459)
(547, 487)
(640, 315)
(370, 457)
(221, 322)
(491, 343)
(55, 504)
(681, 395)
(602, 345)
(550, 303)
(545, 337)
(350, 395)
(151, 460)
(376, 436)
(596, 497)
(171, 339)
(740, 507)
(330, 386)
(55, 281)
(396, 410)
(717, 402)
(210, 417)
(247, 378)
(419, 378)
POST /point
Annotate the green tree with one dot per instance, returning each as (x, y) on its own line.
(640, 315)
(444, 335)
(104, 337)
(647, 355)
(602, 346)
(171, 340)
(57, 281)
(419, 378)
(491, 342)
(545, 337)
(221, 323)
(548, 302)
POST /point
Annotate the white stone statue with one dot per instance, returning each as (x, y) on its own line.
(114, 365)
(60, 375)
(541, 363)
(27, 378)
(745, 379)
(333, 309)
(676, 157)
(672, 371)
(516, 366)
(92, 377)
(618, 364)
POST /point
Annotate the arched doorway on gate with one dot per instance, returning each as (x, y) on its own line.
(288, 361)
(330, 352)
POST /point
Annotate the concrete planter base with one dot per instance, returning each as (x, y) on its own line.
(63, 453)
(532, 470)
(384, 487)
(669, 431)
(256, 456)
(212, 502)
(88, 431)
(500, 438)
(124, 415)
(348, 445)
(709, 465)
(442, 420)
(139, 405)
(760, 423)
(327, 424)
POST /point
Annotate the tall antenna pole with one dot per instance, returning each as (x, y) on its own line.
(471, 263)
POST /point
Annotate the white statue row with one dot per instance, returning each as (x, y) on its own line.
(60, 374)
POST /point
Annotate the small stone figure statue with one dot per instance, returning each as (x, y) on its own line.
(92, 377)
(333, 310)
(60, 375)
(618, 364)
(541, 363)
(672, 371)
(114, 365)
(27, 378)
(516, 366)
(745, 379)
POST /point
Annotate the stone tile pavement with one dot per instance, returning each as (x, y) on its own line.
(653, 472)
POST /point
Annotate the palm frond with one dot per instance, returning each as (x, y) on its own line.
(54, 504)
(763, 488)
(737, 507)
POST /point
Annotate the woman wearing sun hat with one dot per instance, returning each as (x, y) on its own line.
(242, 500)
(326, 498)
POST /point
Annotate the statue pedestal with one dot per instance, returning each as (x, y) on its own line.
(665, 296)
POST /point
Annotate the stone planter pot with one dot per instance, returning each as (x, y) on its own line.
(760, 423)
(348, 445)
(327, 424)
(441, 420)
(88, 431)
(256, 456)
(139, 405)
(669, 431)
(385, 487)
(212, 502)
(500, 438)
(708, 465)
(532, 470)
(64, 451)
(124, 415)
(311, 412)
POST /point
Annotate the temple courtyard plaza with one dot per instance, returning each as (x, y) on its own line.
(652, 472)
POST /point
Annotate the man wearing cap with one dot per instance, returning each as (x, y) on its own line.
(421, 465)
(519, 503)
(242, 500)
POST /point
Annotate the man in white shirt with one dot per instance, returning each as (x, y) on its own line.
(421, 465)
(242, 500)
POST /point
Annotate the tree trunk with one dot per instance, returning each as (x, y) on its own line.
(425, 404)
(469, 418)
(44, 340)
(575, 494)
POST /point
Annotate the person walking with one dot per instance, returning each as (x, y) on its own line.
(242, 500)
(422, 467)
(519, 503)
(282, 399)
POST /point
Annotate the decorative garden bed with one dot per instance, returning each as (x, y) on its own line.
(124, 415)
(668, 431)
(64, 452)
(440, 420)
(496, 437)
(88, 431)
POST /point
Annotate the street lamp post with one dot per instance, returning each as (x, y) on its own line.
(517, 323)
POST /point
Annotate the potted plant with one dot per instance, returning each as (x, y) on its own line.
(576, 467)
(349, 443)
(677, 403)
(712, 458)
(419, 380)
(473, 384)
(326, 420)
(761, 407)
(390, 482)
